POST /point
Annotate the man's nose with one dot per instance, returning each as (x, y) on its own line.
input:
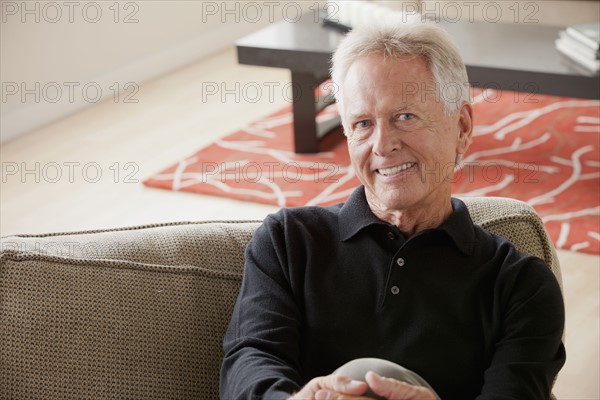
(384, 140)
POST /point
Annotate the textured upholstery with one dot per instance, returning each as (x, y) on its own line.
(127, 314)
(139, 313)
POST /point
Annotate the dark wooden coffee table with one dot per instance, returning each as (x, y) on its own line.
(519, 57)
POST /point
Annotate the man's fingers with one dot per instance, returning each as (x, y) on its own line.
(344, 384)
(338, 383)
(324, 394)
(331, 387)
(396, 390)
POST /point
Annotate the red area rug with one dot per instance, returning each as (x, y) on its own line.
(543, 150)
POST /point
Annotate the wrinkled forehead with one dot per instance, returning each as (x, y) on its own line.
(399, 65)
(374, 79)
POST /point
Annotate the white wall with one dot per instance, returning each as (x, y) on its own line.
(51, 51)
(541, 12)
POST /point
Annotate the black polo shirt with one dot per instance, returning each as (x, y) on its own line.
(456, 304)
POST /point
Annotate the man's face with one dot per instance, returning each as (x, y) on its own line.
(402, 144)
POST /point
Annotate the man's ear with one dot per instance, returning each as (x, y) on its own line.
(465, 128)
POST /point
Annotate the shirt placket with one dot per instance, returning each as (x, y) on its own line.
(396, 244)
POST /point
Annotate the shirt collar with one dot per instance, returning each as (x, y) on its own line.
(355, 215)
(459, 227)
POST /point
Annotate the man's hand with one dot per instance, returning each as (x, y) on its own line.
(339, 387)
(395, 390)
(332, 387)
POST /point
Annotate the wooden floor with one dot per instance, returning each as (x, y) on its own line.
(85, 171)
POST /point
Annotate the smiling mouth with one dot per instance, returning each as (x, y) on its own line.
(396, 169)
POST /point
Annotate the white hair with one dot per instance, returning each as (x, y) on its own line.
(399, 35)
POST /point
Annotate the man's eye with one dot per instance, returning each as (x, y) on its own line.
(362, 124)
(406, 116)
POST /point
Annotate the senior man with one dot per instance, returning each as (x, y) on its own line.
(399, 272)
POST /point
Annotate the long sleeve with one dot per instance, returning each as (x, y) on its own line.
(261, 344)
(529, 352)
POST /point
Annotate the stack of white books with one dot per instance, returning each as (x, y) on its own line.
(581, 43)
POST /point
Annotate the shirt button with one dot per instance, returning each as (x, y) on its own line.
(400, 262)
(391, 235)
(395, 290)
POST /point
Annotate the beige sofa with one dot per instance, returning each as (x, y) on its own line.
(139, 313)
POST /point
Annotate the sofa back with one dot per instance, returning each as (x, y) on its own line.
(140, 313)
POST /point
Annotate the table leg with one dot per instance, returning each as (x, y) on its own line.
(305, 123)
(305, 108)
